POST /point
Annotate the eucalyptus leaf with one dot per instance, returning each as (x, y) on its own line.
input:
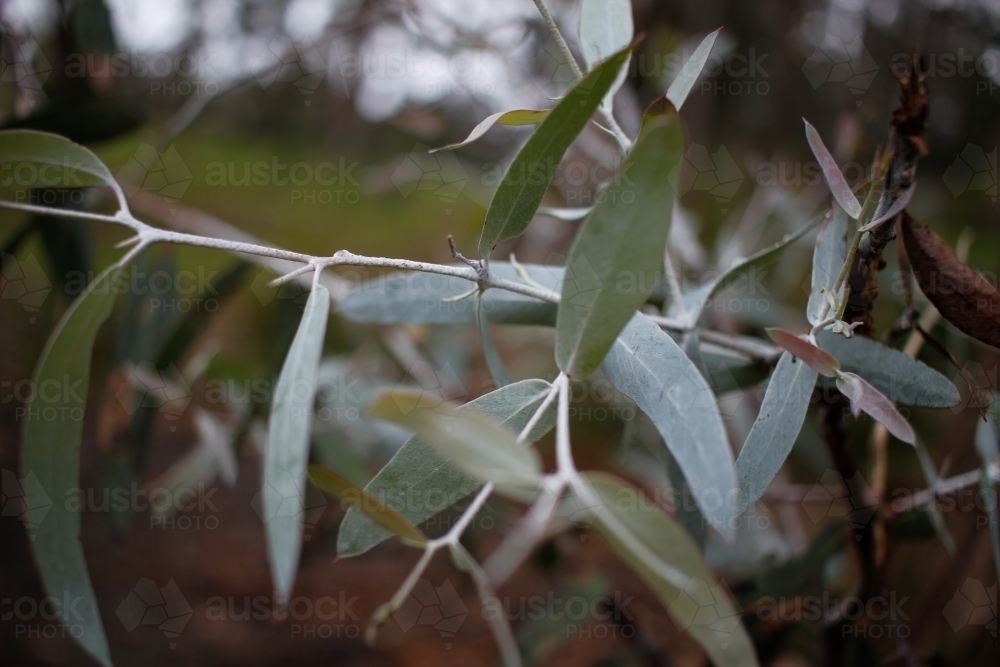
(617, 256)
(51, 457)
(478, 445)
(60, 163)
(424, 298)
(528, 177)
(419, 483)
(696, 299)
(510, 118)
(287, 452)
(663, 554)
(681, 86)
(829, 256)
(900, 377)
(494, 364)
(647, 365)
(772, 435)
(834, 177)
(356, 497)
(605, 27)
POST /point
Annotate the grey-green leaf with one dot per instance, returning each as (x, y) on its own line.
(617, 256)
(777, 426)
(695, 301)
(528, 177)
(647, 365)
(605, 27)
(510, 118)
(899, 377)
(419, 483)
(51, 456)
(829, 256)
(494, 363)
(660, 551)
(421, 298)
(284, 485)
(681, 86)
(478, 445)
(56, 162)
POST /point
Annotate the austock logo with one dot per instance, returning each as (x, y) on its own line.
(973, 605)
(298, 63)
(298, 500)
(147, 387)
(149, 604)
(25, 499)
(149, 170)
(836, 61)
(24, 281)
(974, 170)
(440, 607)
(833, 496)
(440, 173)
(703, 171)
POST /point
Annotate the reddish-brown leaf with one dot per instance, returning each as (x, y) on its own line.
(964, 298)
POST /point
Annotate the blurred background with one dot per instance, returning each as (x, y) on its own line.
(306, 124)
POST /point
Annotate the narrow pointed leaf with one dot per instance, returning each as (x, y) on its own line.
(618, 253)
(829, 256)
(566, 214)
(510, 118)
(772, 435)
(425, 298)
(494, 364)
(867, 398)
(287, 453)
(820, 360)
(478, 445)
(964, 297)
(528, 177)
(987, 440)
(897, 207)
(419, 483)
(834, 177)
(605, 27)
(900, 377)
(59, 163)
(695, 301)
(374, 509)
(663, 554)
(647, 365)
(681, 86)
(51, 455)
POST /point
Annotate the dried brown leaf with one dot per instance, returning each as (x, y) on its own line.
(964, 298)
